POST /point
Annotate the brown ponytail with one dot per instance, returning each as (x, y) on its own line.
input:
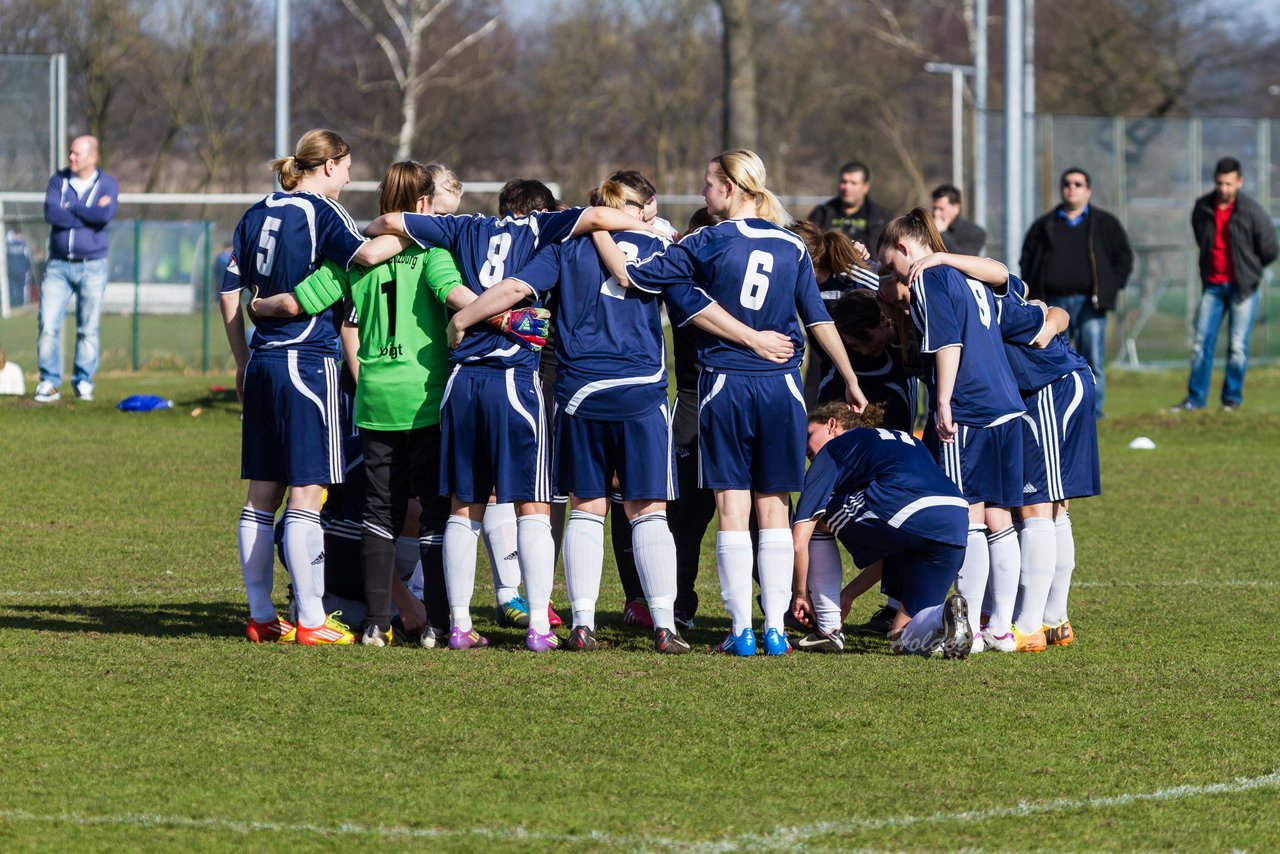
(402, 186)
(916, 224)
(314, 149)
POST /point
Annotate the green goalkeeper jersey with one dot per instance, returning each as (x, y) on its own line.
(404, 358)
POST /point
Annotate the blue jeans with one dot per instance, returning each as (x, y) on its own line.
(1088, 333)
(87, 280)
(1216, 301)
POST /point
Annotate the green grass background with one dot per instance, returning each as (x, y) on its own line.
(133, 715)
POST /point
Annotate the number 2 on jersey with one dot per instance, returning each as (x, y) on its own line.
(610, 286)
(755, 284)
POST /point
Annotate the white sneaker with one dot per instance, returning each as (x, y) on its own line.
(999, 643)
(46, 393)
(84, 391)
(979, 644)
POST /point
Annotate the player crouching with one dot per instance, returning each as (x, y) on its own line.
(881, 494)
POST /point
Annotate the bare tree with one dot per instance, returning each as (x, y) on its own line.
(741, 126)
(401, 37)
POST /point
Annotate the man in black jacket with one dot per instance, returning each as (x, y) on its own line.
(1236, 240)
(1077, 257)
(961, 236)
(851, 210)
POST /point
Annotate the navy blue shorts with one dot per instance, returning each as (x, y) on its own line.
(984, 462)
(918, 572)
(751, 431)
(1060, 441)
(291, 432)
(493, 436)
(589, 452)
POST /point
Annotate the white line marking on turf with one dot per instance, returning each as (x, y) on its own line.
(781, 839)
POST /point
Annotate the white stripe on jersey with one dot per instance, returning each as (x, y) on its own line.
(544, 446)
(306, 207)
(924, 504)
(776, 233)
(336, 474)
(601, 385)
(542, 471)
(920, 312)
(795, 392)
(715, 389)
(670, 463)
(1075, 401)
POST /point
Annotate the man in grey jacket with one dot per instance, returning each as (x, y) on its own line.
(1236, 240)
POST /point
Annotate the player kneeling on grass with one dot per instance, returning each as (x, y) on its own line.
(881, 494)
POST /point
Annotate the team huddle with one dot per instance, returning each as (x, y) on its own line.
(497, 372)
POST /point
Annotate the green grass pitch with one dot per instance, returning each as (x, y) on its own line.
(134, 716)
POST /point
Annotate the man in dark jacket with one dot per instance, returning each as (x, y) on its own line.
(78, 205)
(1236, 240)
(961, 236)
(1077, 257)
(851, 210)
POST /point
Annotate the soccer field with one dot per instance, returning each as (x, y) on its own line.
(134, 715)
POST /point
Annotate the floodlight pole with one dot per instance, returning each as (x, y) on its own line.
(1013, 122)
(282, 78)
(957, 73)
(979, 210)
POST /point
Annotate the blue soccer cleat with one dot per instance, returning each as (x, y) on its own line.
(513, 614)
(743, 643)
(776, 643)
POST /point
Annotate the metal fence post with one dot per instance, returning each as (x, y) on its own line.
(137, 288)
(204, 299)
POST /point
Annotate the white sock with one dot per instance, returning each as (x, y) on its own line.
(460, 542)
(776, 561)
(408, 558)
(583, 564)
(922, 631)
(537, 551)
(1039, 554)
(825, 575)
(655, 555)
(733, 560)
(304, 553)
(971, 583)
(257, 561)
(1006, 567)
(500, 542)
(1055, 608)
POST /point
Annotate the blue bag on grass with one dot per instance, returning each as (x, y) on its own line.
(143, 403)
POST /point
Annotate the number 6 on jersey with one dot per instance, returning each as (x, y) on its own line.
(755, 284)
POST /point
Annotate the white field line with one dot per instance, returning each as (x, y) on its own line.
(221, 589)
(781, 839)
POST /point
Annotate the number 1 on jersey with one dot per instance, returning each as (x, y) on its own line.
(389, 290)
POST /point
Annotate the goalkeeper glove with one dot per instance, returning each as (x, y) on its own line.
(529, 326)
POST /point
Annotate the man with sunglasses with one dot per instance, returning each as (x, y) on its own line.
(1077, 257)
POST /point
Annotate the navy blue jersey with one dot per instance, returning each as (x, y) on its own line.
(951, 311)
(759, 272)
(279, 242)
(898, 478)
(488, 250)
(609, 342)
(1033, 368)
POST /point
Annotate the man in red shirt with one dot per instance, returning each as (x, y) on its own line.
(1236, 240)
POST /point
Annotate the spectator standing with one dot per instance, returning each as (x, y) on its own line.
(1236, 241)
(961, 236)
(851, 210)
(79, 204)
(18, 261)
(1077, 257)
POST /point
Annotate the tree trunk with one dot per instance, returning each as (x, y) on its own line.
(741, 127)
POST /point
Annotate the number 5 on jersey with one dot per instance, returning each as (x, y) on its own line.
(755, 284)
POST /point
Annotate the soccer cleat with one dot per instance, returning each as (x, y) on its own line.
(472, 639)
(272, 631)
(818, 641)
(433, 638)
(743, 643)
(999, 643)
(582, 639)
(1059, 635)
(537, 642)
(46, 393)
(1034, 642)
(513, 614)
(669, 642)
(332, 632)
(683, 621)
(553, 618)
(636, 613)
(776, 643)
(84, 391)
(879, 624)
(957, 638)
(979, 644)
(374, 636)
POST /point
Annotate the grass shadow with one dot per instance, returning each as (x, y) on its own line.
(178, 619)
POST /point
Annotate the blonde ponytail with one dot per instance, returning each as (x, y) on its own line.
(745, 170)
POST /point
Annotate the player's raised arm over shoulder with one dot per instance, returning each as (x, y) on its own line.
(986, 270)
(599, 218)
